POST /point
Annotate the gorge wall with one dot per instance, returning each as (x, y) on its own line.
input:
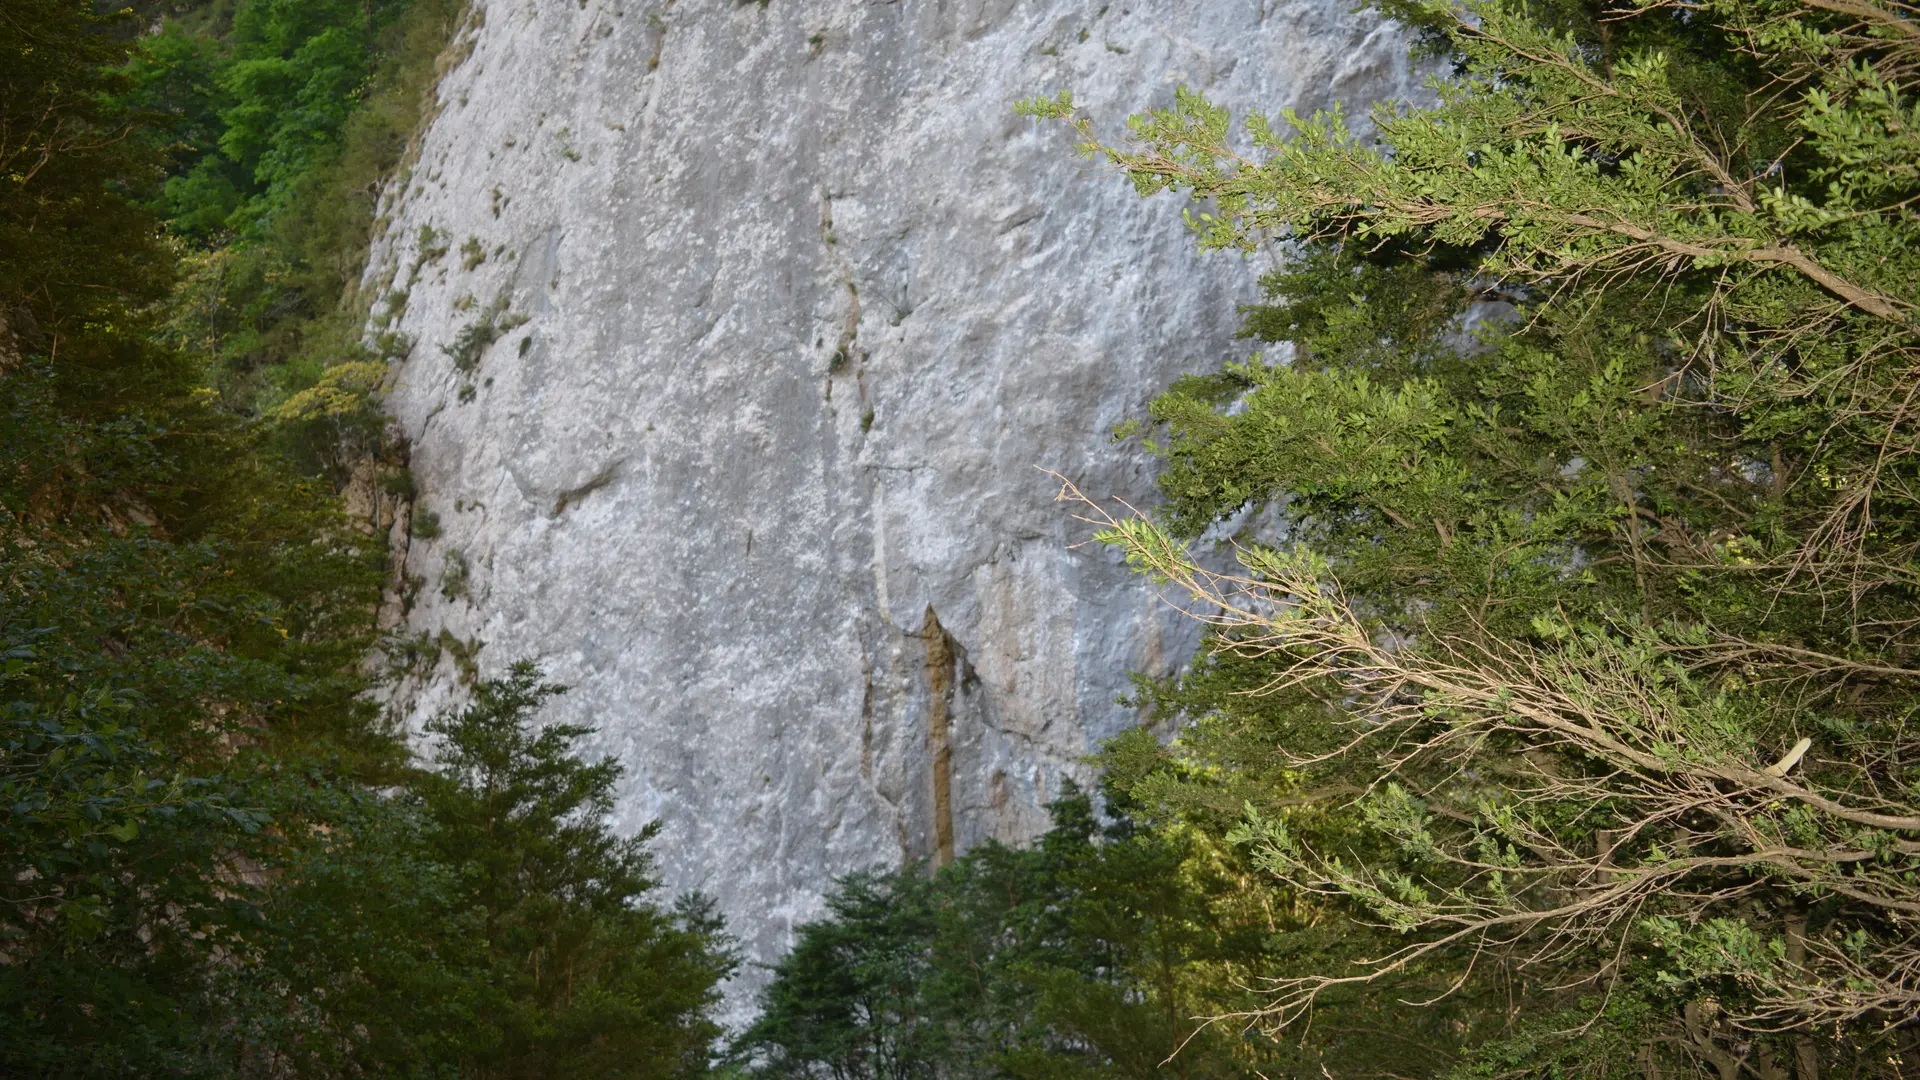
(741, 334)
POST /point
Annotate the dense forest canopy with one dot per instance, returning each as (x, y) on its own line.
(1555, 719)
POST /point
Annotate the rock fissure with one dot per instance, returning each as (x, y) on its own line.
(844, 355)
(894, 809)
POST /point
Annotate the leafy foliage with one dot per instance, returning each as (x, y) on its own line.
(76, 251)
(215, 858)
(177, 609)
(260, 101)
(1571, 647)
(1098, 952)
(488, 923)
(287, 117)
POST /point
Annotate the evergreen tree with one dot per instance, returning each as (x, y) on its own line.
(592, 979)
(1572, 645)
(1092, 953)
(487, 922)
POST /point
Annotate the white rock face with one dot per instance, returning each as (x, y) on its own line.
(808, 310)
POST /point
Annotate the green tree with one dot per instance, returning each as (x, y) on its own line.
(1576, 620)
(1090, 954)
(214, 858)
(282, 123)
(479, 921)
(178, 611)
(845, 1001)
(115, 898)
(78, 255)
(258, 102)
(589, 978)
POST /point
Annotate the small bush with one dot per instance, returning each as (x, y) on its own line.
(473, 339)
(454, 574)
(398, 482)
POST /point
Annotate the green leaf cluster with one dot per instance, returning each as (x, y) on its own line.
(279, 123)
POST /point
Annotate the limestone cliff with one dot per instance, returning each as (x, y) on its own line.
(741, 335)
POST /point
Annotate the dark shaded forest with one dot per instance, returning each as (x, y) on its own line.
(220, 858)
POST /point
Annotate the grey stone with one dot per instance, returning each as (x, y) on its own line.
(808, 311)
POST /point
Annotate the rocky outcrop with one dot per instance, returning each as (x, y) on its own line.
(742, 333)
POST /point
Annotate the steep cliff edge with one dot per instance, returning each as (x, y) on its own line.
(739, 333)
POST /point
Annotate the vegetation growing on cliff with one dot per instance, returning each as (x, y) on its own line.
(282, 120)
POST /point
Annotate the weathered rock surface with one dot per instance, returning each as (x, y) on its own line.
(807, 310)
